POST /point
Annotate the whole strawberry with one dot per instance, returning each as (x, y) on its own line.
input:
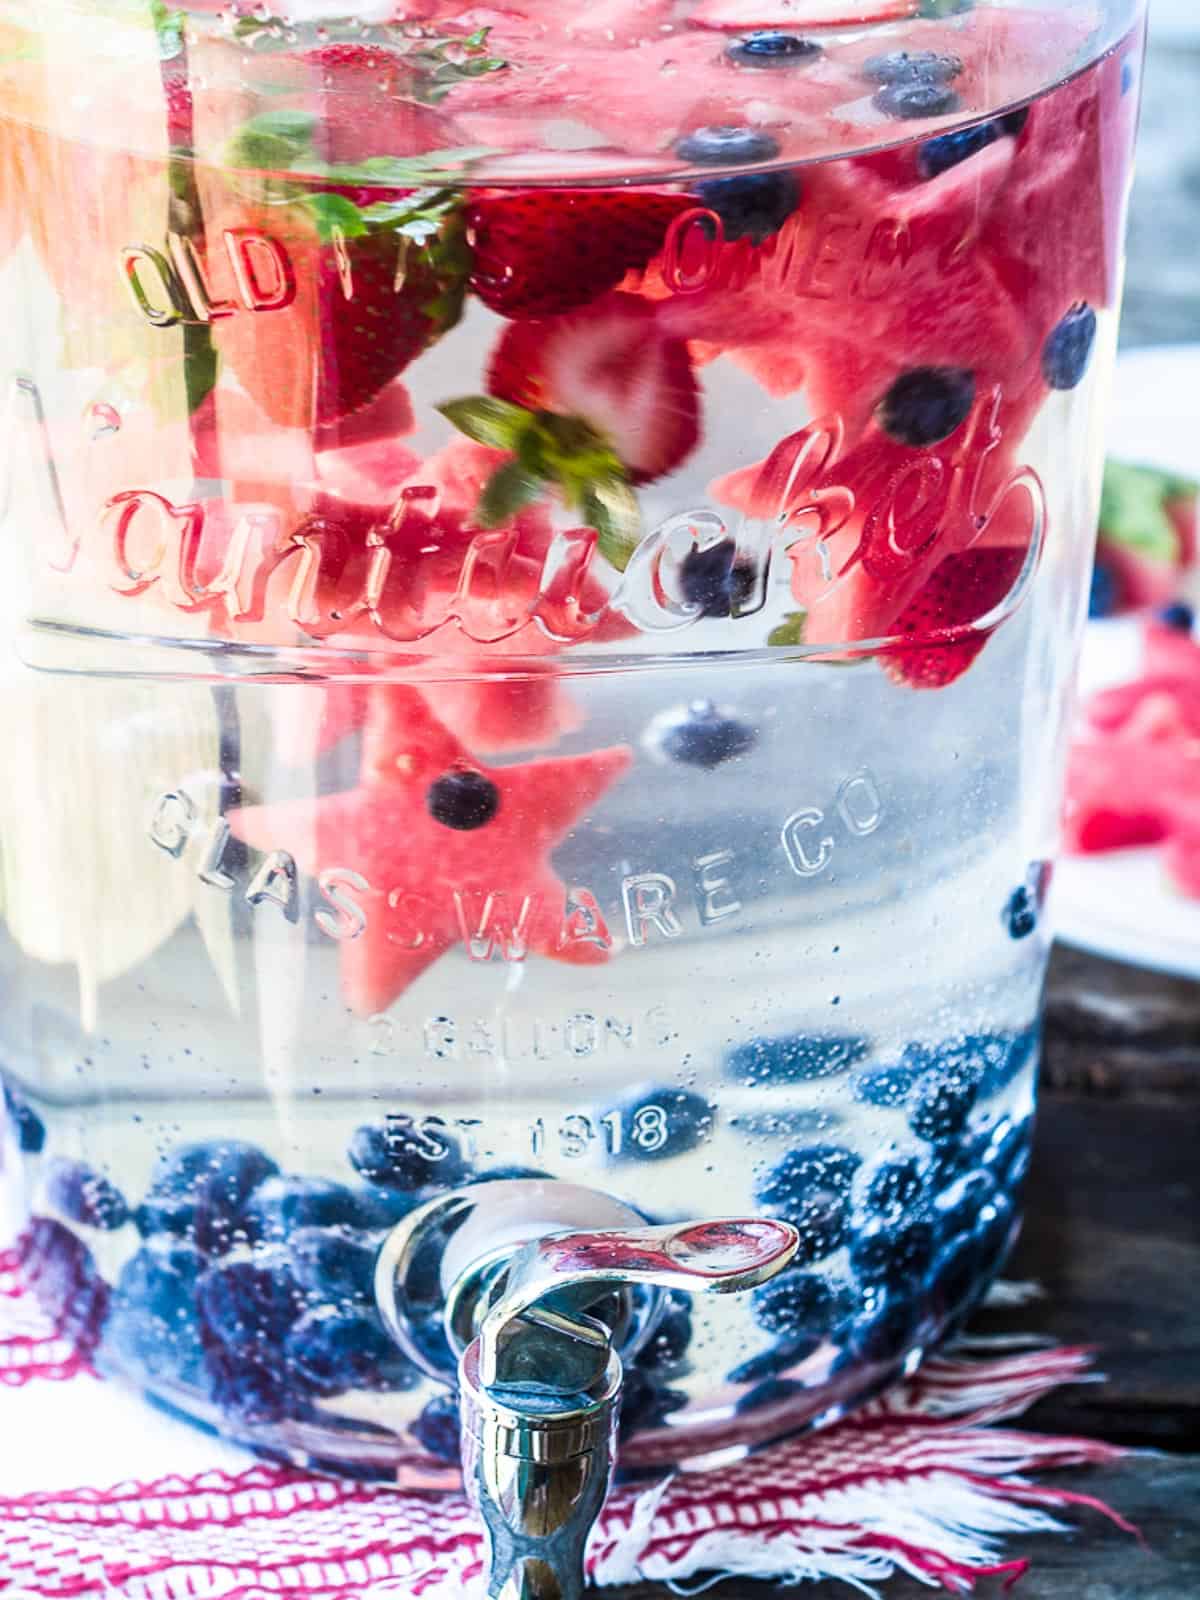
(961, 591)
(538, 252)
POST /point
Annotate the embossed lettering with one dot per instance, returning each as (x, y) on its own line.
(275, 881)
(582, 923)
(209, 869)
(647, 898)
(350, 919)
(171, 821)
(715, 897)
(263, 274)
(492, 929)
(859, 803)
(153, 286)
(806, 853)
(186, 260)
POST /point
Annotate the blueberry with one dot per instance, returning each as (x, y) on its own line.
(948, 150)
(769, 1392)
(1128, 75)
(377, 1207)
(646, 1402)
(153, 1328)
(1068, 349)
(437, 1428)
(885, 1329)
(1013, 122)
(85, 1196)
(895, 1186)
(248, 1308)
(332, 1263)
(751, 206)
(1104, 594)
(512, 1175)
(710, 577)
(960, 1206)
(955, 1275)
(706, 737)
(28, 1126)
(771, 47)
(726, 146)
(794, 1057)
(942, 1098)
(63, 1276)
(170, 1217)
(669, 1343)
(1007, 1157)
(894, 1254)
(661, 1122)
(1020, 914)
(916, 98)
(995, 1231)
(247, 1391)
(811, 1189)
(800, 1304)
(1178, 616)
(998, 1058)
(463, 800)
(885, 1087)
(329, 1352)
(784, 1353)
(401, 1154)
(198, 1191)
(916, 66)
(927, 404)
(282, 1204)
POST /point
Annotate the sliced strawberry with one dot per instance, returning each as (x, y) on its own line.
(615, 368)
(541, 252)
(960, 592)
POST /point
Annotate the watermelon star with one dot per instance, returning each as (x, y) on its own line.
(451, 851)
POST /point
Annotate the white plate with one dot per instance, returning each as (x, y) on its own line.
(1121, 904)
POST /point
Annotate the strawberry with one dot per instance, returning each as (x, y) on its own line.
(961, 590)
(538, 252)
(613, 368)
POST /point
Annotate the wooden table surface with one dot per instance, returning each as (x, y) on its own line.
(1112, 1234)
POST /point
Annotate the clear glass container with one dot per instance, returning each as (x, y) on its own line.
(543, 562)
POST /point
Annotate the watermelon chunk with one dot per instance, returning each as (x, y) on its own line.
(432, 886)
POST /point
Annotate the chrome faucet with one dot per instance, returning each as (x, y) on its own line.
(535, 1329)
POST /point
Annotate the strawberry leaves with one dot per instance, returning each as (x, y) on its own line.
(564, 455)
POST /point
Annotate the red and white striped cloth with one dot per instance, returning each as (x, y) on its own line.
(921, 1480)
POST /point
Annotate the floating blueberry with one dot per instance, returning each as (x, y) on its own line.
(711, 577)
(794, 1057)
(198, 1191)
(771, 47)
(948, 150)
(927, 404)
(1013, 122)
(1178, 616)
(895, 1186)
(959, 1207)
(153, 1328)
(1128, 75)
(378, 1207)
(1020, 914)
(811, 1189)
(282, 1204)
(85, 1196)
(1067, 351)
(645, 1402)
(1007, 1156)
(247, 1391)
(751, 206)
(801, 1304)
(330, 1351)
(784, 1353)
(726, 146)
(437, 1429)
(916, 98)
(407, 1155)
(706, 737)
(955, 1275)
(248, 1308)
(894, 1254)
(909, 66)
(942, 1098)
(885, 1087)
(1104, 593)
(463, 800)
(669, 1343)
(28, 1126)
(996, 1231)
(661, 1122)
(333, 1264)
(885, 1329)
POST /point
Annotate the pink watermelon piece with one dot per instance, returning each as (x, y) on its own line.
(746, 14)
(432, 886)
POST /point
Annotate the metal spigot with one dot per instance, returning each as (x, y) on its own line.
(540, 1379)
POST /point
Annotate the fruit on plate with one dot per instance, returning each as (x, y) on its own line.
(1133, 777)
(452, 851)
(1148, 536)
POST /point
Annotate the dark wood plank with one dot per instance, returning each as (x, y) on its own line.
(1161, 1496)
